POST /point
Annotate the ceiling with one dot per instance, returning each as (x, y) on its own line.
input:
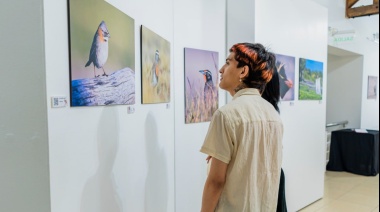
(365, 26)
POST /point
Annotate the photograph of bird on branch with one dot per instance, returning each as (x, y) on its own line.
(155, 67)
(201, 85)
(102, 54)
(311, 80)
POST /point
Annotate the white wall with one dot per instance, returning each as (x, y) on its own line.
(197, 24)
(344, 92)
(296, 28)
(24, 165)
(104, 159)
(300, 31)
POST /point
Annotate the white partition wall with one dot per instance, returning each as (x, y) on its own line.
(197, 24)
(296, 28)
(299, 28)
(102, 158)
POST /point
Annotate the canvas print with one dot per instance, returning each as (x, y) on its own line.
(155, 65)
(102, 54)
(372, 87)
(285, 66)
(201, 85)
(311, 79)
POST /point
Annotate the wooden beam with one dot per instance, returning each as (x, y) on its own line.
(350, 3)
(362, 11)
(376, 2)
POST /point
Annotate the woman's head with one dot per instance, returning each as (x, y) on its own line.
(271, 92)
(248, 66)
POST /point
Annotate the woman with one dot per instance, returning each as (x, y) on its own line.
(272, 95)
(244, 138)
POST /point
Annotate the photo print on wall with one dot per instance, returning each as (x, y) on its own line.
(102, 54)
(285, 66)
(155, 67)
(372, 87)
(311, 80)
(201, 85)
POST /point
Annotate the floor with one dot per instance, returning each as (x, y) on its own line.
(346, 192)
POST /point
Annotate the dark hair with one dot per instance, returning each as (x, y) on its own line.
(259, 60)
(272, 90)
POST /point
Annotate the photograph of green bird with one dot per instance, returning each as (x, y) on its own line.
(201, 85)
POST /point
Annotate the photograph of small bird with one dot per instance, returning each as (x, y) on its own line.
(201, 89)
(99, 48)
(155, 68)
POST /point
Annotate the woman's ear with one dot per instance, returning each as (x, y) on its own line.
(244, 72)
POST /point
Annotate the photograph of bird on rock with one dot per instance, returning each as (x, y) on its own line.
(201, 89)
(155, 67)
(102, 68)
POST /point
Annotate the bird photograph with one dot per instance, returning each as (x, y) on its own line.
(285, 66)
(201, 85)
(155, 67)
(102, 54)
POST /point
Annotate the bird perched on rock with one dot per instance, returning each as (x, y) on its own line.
(155, 68)
(209, 92)
(99, 48)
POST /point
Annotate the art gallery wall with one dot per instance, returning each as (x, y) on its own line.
(105, 159)
(344, 92)
(201, 25)
(298, 29)
(24, 155)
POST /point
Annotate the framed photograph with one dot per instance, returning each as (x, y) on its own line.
(155, 65)
(372, 87)
(102, 54)
(285, 66)
(201, 85)
(311, 80)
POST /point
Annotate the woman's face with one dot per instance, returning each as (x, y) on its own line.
(230, 74)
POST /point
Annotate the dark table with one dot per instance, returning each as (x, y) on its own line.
(354, 152)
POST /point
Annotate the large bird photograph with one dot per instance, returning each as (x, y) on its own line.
(201, 85)
(311, 79)
(102, 54)
(155, 67)
(285, 66)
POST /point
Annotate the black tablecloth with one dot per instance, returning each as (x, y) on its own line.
(354, 152)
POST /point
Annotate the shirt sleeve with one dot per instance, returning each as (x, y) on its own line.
(218, 142)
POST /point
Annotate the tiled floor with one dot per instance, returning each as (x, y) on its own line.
(346, 192)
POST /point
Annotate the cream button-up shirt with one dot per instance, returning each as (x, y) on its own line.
(247, 135)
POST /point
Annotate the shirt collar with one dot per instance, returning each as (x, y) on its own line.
(247, 91)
